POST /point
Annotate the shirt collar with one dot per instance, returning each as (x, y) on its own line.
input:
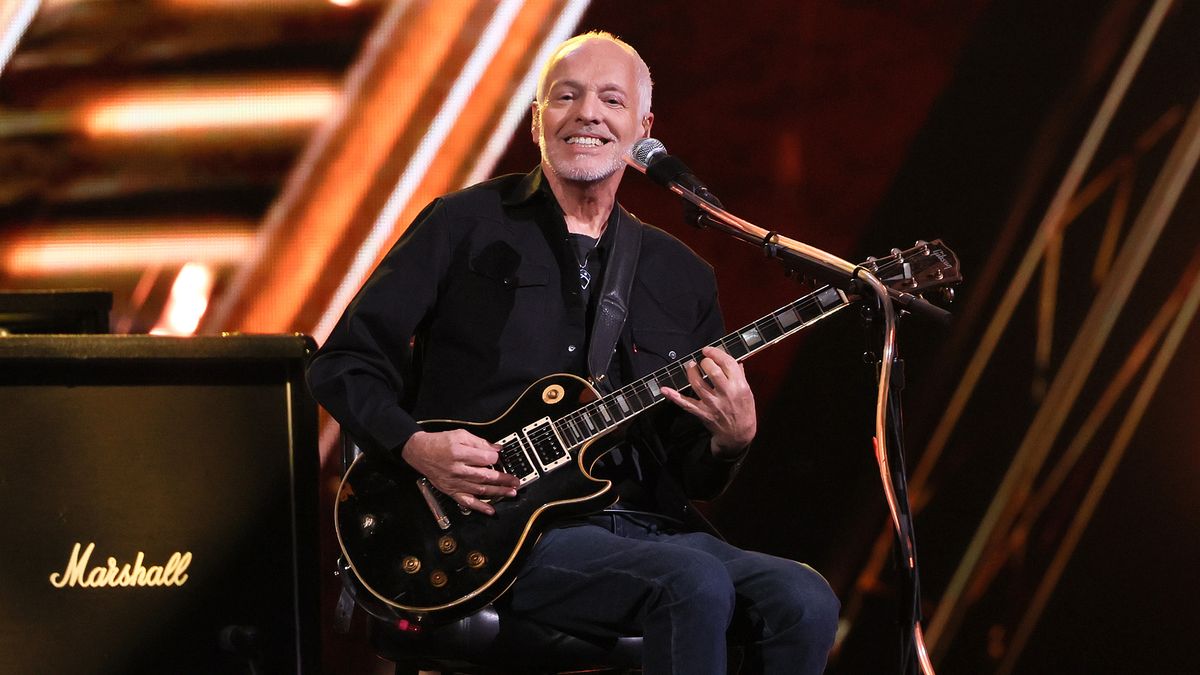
(534, 184)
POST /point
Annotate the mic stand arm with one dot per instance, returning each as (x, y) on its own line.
(821, 265)
(826, 265)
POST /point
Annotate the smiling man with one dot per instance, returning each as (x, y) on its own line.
(509, 281)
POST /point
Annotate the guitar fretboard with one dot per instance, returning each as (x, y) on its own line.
(601, 415)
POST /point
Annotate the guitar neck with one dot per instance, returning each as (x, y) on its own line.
(603, 414)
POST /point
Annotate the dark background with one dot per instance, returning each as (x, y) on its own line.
(861, 126)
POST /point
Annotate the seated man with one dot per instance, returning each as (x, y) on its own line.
(498, 285)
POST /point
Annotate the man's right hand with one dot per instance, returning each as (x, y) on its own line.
(459, 464)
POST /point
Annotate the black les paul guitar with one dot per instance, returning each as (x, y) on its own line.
(410, 553)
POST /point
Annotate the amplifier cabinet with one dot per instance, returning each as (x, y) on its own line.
(157, 505)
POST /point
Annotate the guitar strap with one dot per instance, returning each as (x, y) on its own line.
(613, 306)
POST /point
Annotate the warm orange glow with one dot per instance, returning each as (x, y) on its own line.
(204, 106)
(187, 302)
(319, 215)
(472, 110)
(257, 4)
(95, 248)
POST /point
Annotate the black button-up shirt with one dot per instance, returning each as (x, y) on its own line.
(480, 297)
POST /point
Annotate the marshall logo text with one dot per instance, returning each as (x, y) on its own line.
(173, 573)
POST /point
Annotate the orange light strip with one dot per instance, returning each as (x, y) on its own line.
(187, 302)
(454, 137)
(94, 248)
(278, 5)
(200, 106)
(398, 209)
(314, 213)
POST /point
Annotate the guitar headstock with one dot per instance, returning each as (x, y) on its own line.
(925, 266)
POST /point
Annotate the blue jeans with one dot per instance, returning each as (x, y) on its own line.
(614, 574)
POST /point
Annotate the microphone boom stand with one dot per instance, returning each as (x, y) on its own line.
(828, 267)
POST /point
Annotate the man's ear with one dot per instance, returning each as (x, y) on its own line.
(535, 126)
(647, 122)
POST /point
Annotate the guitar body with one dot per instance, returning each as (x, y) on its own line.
(407, 563)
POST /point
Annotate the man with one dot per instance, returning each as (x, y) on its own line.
(496, 286)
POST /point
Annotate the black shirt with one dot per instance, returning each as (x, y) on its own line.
(481, 297)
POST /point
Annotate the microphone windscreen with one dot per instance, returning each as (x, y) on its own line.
(646, 149)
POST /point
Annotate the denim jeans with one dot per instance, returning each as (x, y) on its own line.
(615, 574)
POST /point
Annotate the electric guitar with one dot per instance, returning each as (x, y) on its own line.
(409, 552)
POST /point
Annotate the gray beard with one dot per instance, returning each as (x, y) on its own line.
(583, 175)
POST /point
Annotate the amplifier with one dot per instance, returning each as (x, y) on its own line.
(157, 505)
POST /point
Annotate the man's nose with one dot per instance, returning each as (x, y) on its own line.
(588, 110)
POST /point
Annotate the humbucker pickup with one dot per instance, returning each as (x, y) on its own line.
(515, 461)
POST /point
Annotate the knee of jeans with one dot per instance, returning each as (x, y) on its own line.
(805, 601)
(703, 581)
(813, 601)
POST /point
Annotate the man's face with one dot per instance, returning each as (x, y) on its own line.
(588, 116)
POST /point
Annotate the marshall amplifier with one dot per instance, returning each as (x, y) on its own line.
(157, 505)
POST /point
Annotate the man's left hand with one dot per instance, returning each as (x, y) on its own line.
(724, 402)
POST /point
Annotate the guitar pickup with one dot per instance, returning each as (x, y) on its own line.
(514, 460)
(548, 448)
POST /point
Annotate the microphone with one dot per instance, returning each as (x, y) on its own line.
(650, 156)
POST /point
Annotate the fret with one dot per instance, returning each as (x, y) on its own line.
(677, 376)
(787, 317)
(623, 404)
(572, 424)
(654, 388)
(641, 394)
(810, 311)
(770, 330)
(593, 415)
(635, 397)
(617, 413)
(567, 433)
(828, 298)
(751, 337)
(741, 345)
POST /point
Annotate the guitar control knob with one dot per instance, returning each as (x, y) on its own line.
(410, 564)
(447, 545)
(367, 524)
(476, 560)
(438, 578)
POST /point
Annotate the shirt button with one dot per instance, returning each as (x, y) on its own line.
(671, 354)
(570, 348)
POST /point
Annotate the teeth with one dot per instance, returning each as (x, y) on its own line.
(584, 140)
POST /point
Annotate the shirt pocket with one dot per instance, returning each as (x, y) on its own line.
(654, 348)
(511, 277)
